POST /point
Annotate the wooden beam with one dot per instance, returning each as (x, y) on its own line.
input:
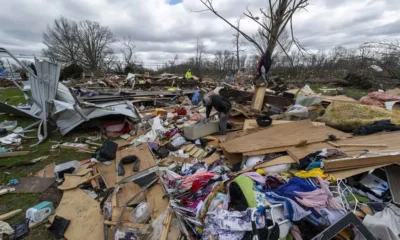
(127, 224)
(258, 98)
(9, 214)
(12, 154)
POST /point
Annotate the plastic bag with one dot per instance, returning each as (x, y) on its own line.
(298, 111)
(141, 213)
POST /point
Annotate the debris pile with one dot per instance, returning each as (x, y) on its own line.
(292, 165)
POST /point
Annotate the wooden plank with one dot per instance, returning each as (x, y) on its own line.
(258, 98)
(8, 215)
(71, 182)
(252, 123)
(352, 172)
(157, 203)
(95, 182)
(108, 173)
(212, 159)
(390, 139)
(166, 226)
(126, 224)
(281, 135)
(13, 154)
(84, 213)
(340, 164)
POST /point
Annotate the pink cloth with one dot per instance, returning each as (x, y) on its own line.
(319, 198)
(371, 101)
(384, 97)
(295, 231)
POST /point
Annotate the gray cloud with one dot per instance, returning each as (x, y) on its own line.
(161, 31)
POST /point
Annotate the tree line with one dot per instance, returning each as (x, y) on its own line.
(89, 45)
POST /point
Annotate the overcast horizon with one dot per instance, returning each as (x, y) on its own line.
(163, 28)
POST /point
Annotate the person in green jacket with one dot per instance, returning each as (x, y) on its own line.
(188, 74)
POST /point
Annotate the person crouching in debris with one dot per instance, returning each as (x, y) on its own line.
(223, 107)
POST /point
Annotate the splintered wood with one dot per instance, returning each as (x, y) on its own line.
(280, 136)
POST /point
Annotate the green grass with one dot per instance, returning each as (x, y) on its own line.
(349, 91)
(11, 202)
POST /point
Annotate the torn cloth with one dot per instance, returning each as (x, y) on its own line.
(229, 225)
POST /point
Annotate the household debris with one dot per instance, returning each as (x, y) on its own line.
(294, 164)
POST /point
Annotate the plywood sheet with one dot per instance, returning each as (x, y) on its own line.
(84, 213)
(33, 184)
(127, 191)
(355, 163)
(143, 152)
(108, 173)
(47, 171)
(157, 203)
(352, 172)
(71, 181)
(281, 135)
(252, 123)
(391, 139)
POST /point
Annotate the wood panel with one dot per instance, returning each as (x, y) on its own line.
(391, 139)
(127, 191)
(157, 203)
(142, 152)
(280, 136)
(108, 173)
(84, 213)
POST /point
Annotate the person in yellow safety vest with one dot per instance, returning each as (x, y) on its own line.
(188, 74)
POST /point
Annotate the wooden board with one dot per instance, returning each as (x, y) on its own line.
(33, 184)
(84, 213)
(352, 172)
(281, 135)
(127, 191)
(13, 154)
(108, 173)
(258, 98)
(252, 123)
(157, 203)
(71, 181)
(142, 152)
(8, 215)
(47, 171)
(212, 159)
(355, 163)
(391, 139)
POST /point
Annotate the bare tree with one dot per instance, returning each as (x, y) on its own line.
(279, 14)
(94, 44)
(128, 50)
(237, 43)
(200, 49)
(61, 41)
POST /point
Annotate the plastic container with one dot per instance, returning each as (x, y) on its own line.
(9, 125)
(59, 169)
(40, 212)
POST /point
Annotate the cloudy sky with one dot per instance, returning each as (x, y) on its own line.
(163, 28)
